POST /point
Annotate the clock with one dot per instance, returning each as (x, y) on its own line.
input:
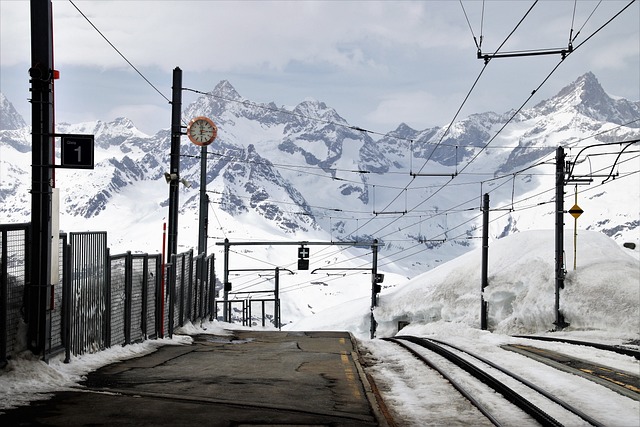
(202, 131)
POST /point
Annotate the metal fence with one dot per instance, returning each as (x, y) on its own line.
(104, 300)
(14, 240)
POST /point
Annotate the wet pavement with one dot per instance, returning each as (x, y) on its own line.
(250, 378)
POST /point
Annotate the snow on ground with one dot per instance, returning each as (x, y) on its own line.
(601, 301)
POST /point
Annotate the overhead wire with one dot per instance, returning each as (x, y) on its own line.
(119, 53)
(605, 24)
(516, 209)
(573, 38)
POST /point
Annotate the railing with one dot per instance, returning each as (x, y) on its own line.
(251, 311)
(104, 300)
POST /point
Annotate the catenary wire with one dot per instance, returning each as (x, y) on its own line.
(119, 53)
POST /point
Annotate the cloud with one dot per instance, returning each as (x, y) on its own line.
(147, 118)
(224, 36)
(419, 110)
(15, 37)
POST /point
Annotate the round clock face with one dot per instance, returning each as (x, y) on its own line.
(202, 131)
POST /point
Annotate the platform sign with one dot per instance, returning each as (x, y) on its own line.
(76, 151)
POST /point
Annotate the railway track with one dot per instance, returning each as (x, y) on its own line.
(614, 348)
(479, 379)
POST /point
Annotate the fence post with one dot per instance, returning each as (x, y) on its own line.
(190, 288)
(182, 294)
(201, 273)
(4, 300)
(66, 302)
(172, 293)
(145, 295)
(107, 301)
(156, 289)
(128, 297)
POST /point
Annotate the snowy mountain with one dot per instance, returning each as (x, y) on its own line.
(9, 117)
(304, 173)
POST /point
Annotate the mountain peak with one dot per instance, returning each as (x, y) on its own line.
(10, 119)
(312, 108)
(224, 89)
(586, 96)
(588, 87)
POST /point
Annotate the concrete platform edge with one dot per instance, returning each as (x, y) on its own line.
(378, 406)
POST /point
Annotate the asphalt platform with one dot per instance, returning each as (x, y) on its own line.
(250, 378)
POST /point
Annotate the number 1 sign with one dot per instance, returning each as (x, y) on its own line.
(76, 152)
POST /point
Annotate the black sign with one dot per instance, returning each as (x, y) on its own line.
(76, 151)
(303, 264)
(303, 253)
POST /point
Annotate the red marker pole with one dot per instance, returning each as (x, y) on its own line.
(164, 239)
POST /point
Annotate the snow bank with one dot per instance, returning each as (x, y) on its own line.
(603, 293)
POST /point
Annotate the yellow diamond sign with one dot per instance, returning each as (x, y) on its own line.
(575, 211)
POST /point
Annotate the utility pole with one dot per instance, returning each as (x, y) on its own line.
(38, 281)
(226, 314)
(485, 260)
(375, 287)
(559, 236)
(203, 222)
(276, 294)
(174, 170)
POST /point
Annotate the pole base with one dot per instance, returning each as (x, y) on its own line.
(560, 323)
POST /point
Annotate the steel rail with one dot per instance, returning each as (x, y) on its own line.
(529, 384)
(448, 377)
(617, 349)
(509, 394)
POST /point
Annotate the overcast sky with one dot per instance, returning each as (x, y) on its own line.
(378, 64)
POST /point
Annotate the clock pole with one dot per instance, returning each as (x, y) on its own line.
(203, 218)
(202, 132)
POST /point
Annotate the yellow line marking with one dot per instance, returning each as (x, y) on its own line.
(350, 375)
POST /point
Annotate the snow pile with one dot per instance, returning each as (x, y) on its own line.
(601, 294)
